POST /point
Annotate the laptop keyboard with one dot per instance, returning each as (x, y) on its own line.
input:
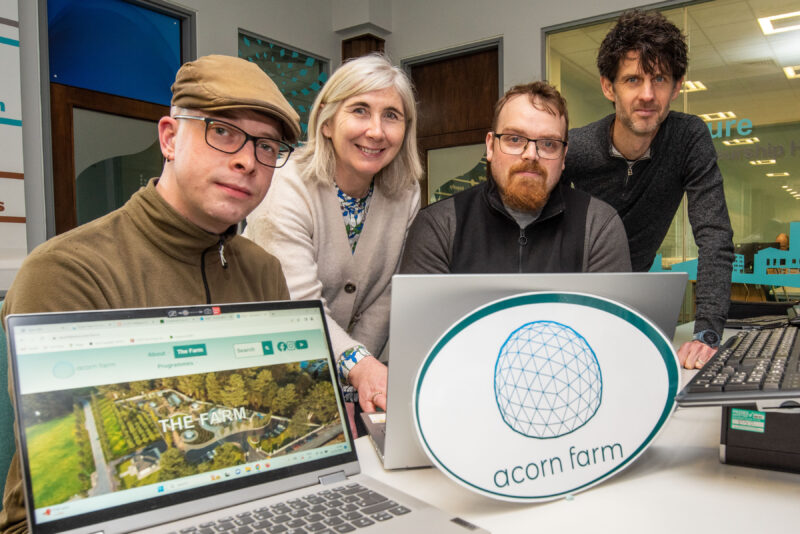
(766, 361)
(329, 511)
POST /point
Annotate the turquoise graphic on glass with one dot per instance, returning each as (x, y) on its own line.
(298, 76)
(547, 381)
(768, 265)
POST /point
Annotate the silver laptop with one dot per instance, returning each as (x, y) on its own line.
(193, 419)
(424, 306)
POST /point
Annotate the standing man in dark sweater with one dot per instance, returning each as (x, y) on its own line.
(644, 157)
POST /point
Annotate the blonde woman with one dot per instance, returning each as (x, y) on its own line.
(337, 215)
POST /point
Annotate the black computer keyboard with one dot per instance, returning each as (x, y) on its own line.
(330, 511)
(752, 366)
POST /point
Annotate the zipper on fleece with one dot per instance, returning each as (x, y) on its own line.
(222, 261)
(523, 242)
(630, 171)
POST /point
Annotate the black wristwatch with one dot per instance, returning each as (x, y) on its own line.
(709, 337)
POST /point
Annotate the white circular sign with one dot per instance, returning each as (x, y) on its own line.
(542, 395)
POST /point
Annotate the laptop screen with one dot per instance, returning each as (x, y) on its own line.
(136, 409)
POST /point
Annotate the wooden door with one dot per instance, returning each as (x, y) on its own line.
(456, 97)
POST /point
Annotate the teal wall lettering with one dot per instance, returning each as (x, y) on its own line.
(745, 127)
(2, 106)
(720, 129)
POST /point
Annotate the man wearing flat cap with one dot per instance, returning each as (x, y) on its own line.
(174, 242)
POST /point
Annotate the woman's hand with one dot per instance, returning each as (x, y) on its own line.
(369, 377)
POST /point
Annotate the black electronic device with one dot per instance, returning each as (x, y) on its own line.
(755, 377)
(752, 367)
(766, 440)
(794, 315)
(759, 322)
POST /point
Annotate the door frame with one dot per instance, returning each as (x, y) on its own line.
(63, 100)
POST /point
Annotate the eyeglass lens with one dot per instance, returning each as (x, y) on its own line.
(545, 148)
(230, 139)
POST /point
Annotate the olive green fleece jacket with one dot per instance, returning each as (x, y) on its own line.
(144, 254)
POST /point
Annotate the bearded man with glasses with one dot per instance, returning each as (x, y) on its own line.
(521, 219)
(174, 242)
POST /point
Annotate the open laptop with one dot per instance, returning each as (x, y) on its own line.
(193, 419)
(425, 306)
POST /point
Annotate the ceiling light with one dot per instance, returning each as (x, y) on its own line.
(741, 141)
(780, 23)
(792, 72)
(777, 174)
(693, 87)
(785, 186)
(718, 116)
(762, 162)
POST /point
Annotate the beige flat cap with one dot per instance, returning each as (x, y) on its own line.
(214, 83)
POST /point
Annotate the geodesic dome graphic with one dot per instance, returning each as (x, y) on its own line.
(547, 380)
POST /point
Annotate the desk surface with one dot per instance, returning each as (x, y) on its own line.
(676, 484)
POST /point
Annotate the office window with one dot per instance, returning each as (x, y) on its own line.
(744, 80)
(299, 75)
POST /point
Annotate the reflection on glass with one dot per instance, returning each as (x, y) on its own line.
(114, 156)
(455, 169)
(106, 185)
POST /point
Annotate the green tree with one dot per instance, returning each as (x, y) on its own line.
(234, 394)
(302, 383)
(227, 455)
(213, 389)
(192, 386)
(174, 465)
(268, 395)
(321, 401)
(298, 425)
(257, 387)
(169, 382)
(140, 386)
(285, 401)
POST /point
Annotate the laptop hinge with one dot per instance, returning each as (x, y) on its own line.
(332, 478)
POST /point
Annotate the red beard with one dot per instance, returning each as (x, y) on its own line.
(522, 193)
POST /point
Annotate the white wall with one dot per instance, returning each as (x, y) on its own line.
(421, 27)
(12, 189)
(303, 24)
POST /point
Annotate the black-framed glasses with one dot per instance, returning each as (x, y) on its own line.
(226, 137)
(514, 145)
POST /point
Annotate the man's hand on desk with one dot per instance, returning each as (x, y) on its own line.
(694, 354)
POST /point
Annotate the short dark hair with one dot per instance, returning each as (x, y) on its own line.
(541, 95)
(660, 45)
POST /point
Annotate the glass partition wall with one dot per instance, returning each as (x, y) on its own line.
(744, 81)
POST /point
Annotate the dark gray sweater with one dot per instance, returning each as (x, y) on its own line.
(646, 196)
(472, 232)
